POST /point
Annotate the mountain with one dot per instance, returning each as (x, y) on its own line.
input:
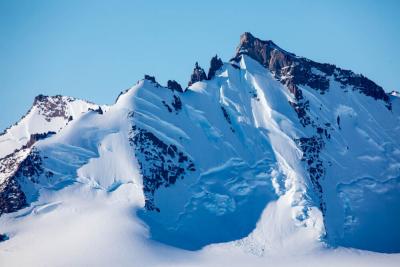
(268, 154)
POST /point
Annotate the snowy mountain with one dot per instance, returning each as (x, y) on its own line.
(268, 154)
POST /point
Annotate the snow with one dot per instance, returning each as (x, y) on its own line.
(79, 226)
(250, 201)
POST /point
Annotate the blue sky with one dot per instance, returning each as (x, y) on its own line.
(95, 49)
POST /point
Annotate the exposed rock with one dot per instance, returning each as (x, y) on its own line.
(167, 106)
(13, 168)
(294, 71)
(215, 64)
(177, 103)
(227, 117)
(197, 75)
(174, 86)
(99, 110)
(36, 137)
(12, 198)
(31, 167)
(311, 147)
(52, 106)
(161, 164)
(3, 237)
(301, 108)
(152, 79)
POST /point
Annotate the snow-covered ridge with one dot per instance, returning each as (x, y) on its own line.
(47, 114)
(271, 151)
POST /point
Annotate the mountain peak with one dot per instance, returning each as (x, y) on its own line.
(197, 75)
(247, 39)
(45, 98)
(294, 71)
(215, 64)
(260, 50)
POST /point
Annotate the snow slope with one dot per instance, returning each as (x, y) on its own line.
(273, 159)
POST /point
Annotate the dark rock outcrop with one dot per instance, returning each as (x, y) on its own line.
(215, 64)
(227, 118)
(176, 104)
(99, 110)
(174, 86)
(311, 148)
(197, 75)
(161, 164)
(36, 137)
(31, 167)
(3, 237)
(18, 168)
(152, 79)
(12, 198)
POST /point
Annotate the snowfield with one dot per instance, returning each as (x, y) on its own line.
(236, 170)
(79, 226)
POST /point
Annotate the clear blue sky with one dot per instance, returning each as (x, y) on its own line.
(95, 49)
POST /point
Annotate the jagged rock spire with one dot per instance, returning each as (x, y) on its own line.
(197, 75)
(150, 78)
(265, 52)
(215, 64)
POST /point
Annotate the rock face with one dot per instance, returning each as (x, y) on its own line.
(20, 162)
(215, 64)
(3, 237)
(161, 164)
(293, 70)
(36, 137)
(174, 86)
(12, 198)
(51, 107)
(197, 75)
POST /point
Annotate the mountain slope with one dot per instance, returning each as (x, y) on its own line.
(18, 156)
(271, 151)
